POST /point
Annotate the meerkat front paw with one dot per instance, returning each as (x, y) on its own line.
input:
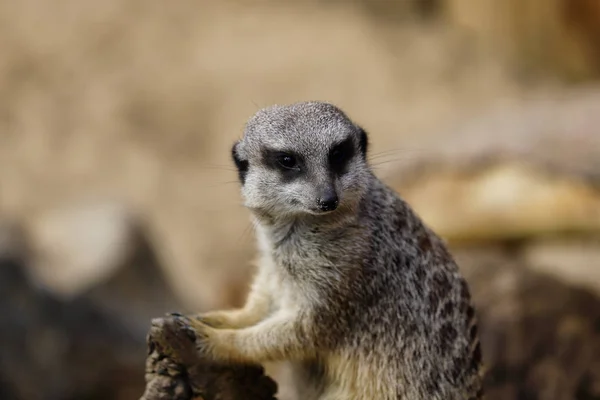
(203, 337)
(196, 331)
(212, 344)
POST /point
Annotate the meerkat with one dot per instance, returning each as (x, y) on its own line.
(352, 287)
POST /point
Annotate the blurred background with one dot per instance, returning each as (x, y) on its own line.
(119, 202)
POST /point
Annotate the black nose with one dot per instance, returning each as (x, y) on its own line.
(328, 201)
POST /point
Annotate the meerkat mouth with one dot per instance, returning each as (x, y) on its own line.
(321, 212)
(318, 212)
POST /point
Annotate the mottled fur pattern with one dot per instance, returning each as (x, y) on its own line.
(364, 300)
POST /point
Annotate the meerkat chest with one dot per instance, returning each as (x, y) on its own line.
(293, 265)
(304, 255)
(279, 287)
(299, 249)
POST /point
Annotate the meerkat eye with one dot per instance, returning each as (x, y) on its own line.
(337, 155)
(340, 154)
(287, 161)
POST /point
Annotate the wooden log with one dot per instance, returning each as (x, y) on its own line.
(175, 371)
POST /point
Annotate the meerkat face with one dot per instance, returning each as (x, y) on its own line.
(302, 158)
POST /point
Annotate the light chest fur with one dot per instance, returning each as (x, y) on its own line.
(295, 258)
(304, 260)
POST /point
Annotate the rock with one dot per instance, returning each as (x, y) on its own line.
(90, 344)
(519, 171)
(540, 336)
(573, 259)
(60, 349)
(105, 253)
(80, 244)
(174, 370)
(138, 289)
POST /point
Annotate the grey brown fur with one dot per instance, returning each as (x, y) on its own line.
(364, 300)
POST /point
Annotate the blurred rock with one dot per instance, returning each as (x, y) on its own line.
(535, 37)
(13, 240)
(6, 392)
(520, 171)
(572, 259)
(58, 349)
(104, 252)
(78, 244)
(90, 345)
(397, 11)
(540, 336)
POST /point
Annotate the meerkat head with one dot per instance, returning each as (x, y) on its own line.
(303, 158)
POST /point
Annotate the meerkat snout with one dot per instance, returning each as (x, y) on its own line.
(328, 200)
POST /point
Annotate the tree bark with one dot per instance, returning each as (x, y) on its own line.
(174, 370)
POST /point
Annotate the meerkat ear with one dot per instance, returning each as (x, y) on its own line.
(363, 141)
(240, 164)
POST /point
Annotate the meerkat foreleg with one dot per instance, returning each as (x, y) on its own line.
(280, 336)
(256, 308)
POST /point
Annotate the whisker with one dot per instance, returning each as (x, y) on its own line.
(218, 167)
(395, 152)
(244, 233)
(221, 184)
(221, 208)
(395, 160)
(251, 227)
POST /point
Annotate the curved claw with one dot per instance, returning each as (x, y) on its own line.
(174, 314)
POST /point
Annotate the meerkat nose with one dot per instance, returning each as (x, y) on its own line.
(328, 201)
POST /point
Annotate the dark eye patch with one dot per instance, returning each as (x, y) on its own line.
(363, 142)
(340, 155)
(241, 165)
(287, 162)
